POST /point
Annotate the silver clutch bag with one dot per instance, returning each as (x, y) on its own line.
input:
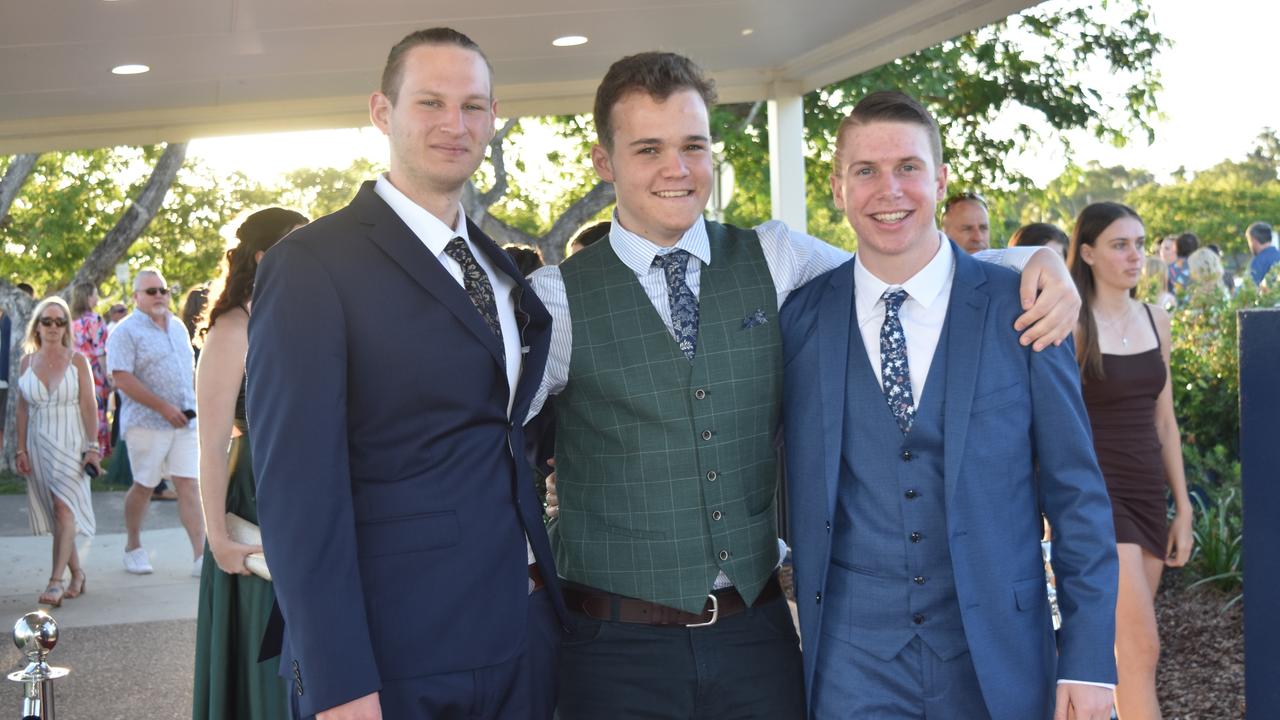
(243, 531)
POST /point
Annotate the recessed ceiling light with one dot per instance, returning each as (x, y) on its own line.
(130, 69)
(747, 31)
(569, 41)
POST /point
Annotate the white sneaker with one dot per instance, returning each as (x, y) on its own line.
(137, 562)
(197, 566)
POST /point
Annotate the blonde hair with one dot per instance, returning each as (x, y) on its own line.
(1205, 266)
(31, 342)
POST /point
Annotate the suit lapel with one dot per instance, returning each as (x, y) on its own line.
(834, 320)
(967, 312)
(533, 322)
(389, 233)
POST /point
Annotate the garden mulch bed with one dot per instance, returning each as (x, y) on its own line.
(1201, 672)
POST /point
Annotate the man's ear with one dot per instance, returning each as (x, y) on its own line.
(943, 171)
(837, 190)
(379, 110)
(602, 162)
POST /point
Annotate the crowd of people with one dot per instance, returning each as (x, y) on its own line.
(376, 389)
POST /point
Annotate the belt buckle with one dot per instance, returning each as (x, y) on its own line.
(715, 613)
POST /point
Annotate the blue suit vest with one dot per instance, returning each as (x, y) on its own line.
(891, 574)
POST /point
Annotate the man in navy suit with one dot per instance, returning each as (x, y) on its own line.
(390, 347)
(923, 442)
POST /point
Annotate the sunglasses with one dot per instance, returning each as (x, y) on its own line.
(156, 291)
(52, 321)
(964, 196)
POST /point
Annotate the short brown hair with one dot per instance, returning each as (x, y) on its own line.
(890, 106)
(393, 71)
(656, 74)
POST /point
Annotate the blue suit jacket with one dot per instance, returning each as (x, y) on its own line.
(392, 491)
(1006, 410)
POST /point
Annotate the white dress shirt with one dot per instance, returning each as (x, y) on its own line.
(923, 313)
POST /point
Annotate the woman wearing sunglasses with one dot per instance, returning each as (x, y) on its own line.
(57, 425)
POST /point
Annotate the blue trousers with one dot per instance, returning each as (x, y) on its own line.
(850, 683)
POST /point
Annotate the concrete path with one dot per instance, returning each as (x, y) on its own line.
(130, 639)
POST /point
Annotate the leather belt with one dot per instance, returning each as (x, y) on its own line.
(536, 582)
(603, 605)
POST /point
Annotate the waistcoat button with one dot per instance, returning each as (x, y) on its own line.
(724, 554)
(711, 475)
(700, 393)
(716, 515)
(706, 434)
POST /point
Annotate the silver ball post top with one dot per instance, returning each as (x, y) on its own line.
(35, 634)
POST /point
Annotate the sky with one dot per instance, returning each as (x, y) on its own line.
(1217, 98)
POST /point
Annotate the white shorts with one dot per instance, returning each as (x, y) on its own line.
(157, 454)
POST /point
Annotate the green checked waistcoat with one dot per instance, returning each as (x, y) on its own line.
(666, 469)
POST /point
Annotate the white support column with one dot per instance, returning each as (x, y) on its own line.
(786, 157)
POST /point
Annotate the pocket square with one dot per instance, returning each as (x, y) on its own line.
(756, 318)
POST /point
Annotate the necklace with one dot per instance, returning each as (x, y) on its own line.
(1124, 329)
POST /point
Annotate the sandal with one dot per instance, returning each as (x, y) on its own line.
(76, 587)
(52, 595)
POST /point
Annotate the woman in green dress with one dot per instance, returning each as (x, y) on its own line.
(234, 605)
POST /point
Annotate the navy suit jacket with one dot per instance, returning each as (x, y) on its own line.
(392, 492)
(1006, 410)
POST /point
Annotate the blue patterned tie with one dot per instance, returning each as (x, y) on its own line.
(895, 375)
(684, 306)
(476, 283)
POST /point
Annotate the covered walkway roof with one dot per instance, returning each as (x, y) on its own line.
(221, 67)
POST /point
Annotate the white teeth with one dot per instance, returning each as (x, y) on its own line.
(890, 217)
(672, 193)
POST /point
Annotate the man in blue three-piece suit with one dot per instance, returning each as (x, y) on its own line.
(922, 444)
(391, 345)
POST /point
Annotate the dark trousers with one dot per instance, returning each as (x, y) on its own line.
(522, 688)
(744, 666)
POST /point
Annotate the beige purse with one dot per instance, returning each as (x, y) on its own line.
(243, 531)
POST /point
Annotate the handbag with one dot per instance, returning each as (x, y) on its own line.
(245, 532)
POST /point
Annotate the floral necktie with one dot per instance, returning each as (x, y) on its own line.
(684, 306)
(895, 375)
(476, 283)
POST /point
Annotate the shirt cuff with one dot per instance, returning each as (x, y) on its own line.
(1109, 686)
(1014, 258)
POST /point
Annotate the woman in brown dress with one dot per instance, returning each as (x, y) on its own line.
(1123, 349)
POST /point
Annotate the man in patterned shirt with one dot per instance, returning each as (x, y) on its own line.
(151, 362)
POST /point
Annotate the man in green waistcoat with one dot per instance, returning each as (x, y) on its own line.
(665, 358)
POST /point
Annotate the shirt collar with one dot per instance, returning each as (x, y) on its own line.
(924, 287)
(637, 253)
(430, 229)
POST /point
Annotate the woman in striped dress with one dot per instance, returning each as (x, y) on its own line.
(57, 424)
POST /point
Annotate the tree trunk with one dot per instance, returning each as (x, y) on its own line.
(96, 268)
(551, 245)
(14, 177)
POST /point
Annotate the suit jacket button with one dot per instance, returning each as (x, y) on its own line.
(818, 598)
(919, 579)
(906, 455)
(911, 494)
(828, 526)
(916, 537)
(917, 619)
